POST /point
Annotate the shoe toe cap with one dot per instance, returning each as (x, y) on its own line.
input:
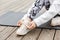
(20, 32)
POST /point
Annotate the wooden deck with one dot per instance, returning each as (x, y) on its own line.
(8, 33)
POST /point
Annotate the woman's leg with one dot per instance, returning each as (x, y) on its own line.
(36, 7)
(47, 4)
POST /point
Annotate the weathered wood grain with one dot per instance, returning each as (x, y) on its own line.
(46, 35)
(57, 35)
(14, 5)
(14, 36)
(2, 28)
(8, 31)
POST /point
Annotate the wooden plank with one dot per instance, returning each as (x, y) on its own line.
(8, 31)
(14, 5)
(14, 36)
(46, 35)
(4, 1)
(5, 7)
(2, 28)
(33, 35)
(25, 6)
(57, 35)
(21, 5)
(9, 5)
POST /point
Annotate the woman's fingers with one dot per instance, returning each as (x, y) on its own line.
(31, 26)
(19, 23)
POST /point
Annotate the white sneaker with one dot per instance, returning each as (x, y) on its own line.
(23, 29)
(55, 21)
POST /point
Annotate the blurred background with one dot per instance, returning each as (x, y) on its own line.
(14, 5)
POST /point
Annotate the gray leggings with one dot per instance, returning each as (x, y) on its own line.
(37, 6)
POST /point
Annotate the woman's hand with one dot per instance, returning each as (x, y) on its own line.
(19, 23)
(32, 25)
